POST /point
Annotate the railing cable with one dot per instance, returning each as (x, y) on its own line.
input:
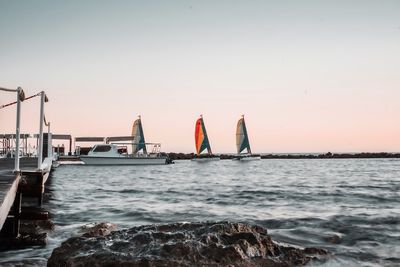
(15, 102)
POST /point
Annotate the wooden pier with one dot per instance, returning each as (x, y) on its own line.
(8, 188)
(22, 175)
(29, 182)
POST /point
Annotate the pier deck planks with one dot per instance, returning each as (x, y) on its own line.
(9, 183)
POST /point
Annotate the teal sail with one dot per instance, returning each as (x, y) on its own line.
(139, 142)
(242, 139)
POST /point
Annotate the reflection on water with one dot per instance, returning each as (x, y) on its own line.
(349, 207)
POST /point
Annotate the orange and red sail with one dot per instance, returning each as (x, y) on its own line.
(201, 138)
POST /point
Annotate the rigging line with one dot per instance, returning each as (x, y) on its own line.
(45, 122)
(15, 102)
(8, 90)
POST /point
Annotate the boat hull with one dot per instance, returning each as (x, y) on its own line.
(206, 159)
(124, 160)
(247, 158)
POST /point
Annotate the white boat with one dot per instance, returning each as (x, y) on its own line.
(242, 143)
(112, 153)
(202, 143)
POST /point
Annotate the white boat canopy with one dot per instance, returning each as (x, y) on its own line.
(89, 139)
(119, 138)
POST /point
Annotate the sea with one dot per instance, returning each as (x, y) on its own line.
(350, 207)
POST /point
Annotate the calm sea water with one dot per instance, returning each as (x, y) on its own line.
(301, 202)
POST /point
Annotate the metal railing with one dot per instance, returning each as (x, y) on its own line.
(20, 99)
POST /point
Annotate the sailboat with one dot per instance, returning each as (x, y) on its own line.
(242, 142)
(113, 152)
(137, 132)
(202, 143)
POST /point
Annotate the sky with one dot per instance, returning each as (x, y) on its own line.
(310, 76)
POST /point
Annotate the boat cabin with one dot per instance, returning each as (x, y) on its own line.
(107, 150)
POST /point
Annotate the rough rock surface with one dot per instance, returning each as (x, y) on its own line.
(180, 244)
(99, 229)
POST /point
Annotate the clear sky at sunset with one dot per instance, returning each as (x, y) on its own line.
(310, 76)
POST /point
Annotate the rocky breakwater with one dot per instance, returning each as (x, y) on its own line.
(180, 244)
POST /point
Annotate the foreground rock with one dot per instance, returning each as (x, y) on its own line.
(180, 244)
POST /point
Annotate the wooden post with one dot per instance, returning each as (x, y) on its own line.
(70, 147)
(40, 147)
(17, 212)
(49, 143)
(40, 179)
(26, 145)
(17, 130)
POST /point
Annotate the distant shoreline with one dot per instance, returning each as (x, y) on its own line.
(329, 155)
